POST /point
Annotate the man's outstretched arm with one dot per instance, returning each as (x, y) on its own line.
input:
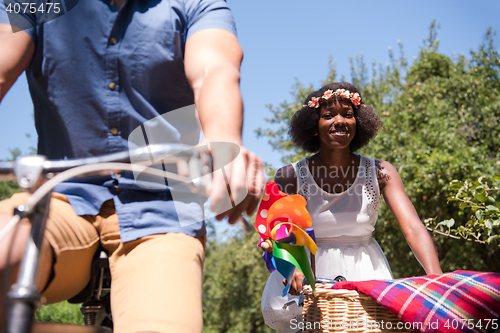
(212, 63)
(16, 52)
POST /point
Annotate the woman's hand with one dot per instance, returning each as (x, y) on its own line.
(296, 284)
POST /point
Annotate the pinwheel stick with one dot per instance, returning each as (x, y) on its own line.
(313, 265)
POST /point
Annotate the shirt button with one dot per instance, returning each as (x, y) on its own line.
(114, 131)
(112, 2)
(113, 41)
(112, 85)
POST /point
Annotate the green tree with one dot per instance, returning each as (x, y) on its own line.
(7, 188)
(233, 280)
(441, 119)
(481, 200)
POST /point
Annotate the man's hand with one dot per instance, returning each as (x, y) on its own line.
(242, 178)
(296, 285)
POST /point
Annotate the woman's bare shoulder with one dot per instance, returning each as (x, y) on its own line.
(385, 172)
(286, 179)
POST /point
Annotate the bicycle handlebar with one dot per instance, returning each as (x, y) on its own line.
(170, 153)
(31, 171)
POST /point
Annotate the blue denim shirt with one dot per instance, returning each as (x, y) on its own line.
(96, 75)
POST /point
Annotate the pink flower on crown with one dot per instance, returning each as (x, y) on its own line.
(344, 93)
(328, 94)
(355, 99)
(313, 103)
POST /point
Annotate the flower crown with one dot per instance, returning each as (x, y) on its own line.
(354, 97)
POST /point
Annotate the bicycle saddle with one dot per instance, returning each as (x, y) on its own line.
(100, 267)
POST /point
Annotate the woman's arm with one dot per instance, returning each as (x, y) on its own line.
(401, 207)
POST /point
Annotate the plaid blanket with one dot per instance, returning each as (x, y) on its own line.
(460, 301)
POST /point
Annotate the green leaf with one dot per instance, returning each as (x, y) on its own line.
(449, 223)
(429, 221)
(479, 215)
(481, 198)
(488, 225)
(455, 185)
(475, 207)
(492, 208)
(463, 205)
(492, 238)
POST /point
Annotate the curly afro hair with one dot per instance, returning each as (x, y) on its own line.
(304, 122)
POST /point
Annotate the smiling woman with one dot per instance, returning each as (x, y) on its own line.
(343, 192)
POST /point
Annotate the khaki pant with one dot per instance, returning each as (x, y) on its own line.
(156, 280)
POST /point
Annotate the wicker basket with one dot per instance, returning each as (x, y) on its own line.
(341, 310)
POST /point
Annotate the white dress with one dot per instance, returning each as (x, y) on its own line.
(343, 225)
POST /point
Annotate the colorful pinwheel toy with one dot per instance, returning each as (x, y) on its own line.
(284, 225)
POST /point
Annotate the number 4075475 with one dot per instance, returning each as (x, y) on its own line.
(32, 8)
(470, 324)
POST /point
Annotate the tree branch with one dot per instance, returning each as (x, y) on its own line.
(454, 237)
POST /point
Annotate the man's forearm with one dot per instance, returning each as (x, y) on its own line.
(212, 62)
(219, 105)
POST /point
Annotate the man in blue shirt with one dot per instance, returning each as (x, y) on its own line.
(95, 74)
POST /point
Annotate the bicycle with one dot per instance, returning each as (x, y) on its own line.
(39, 176)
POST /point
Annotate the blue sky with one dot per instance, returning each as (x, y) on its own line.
(288, 40)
